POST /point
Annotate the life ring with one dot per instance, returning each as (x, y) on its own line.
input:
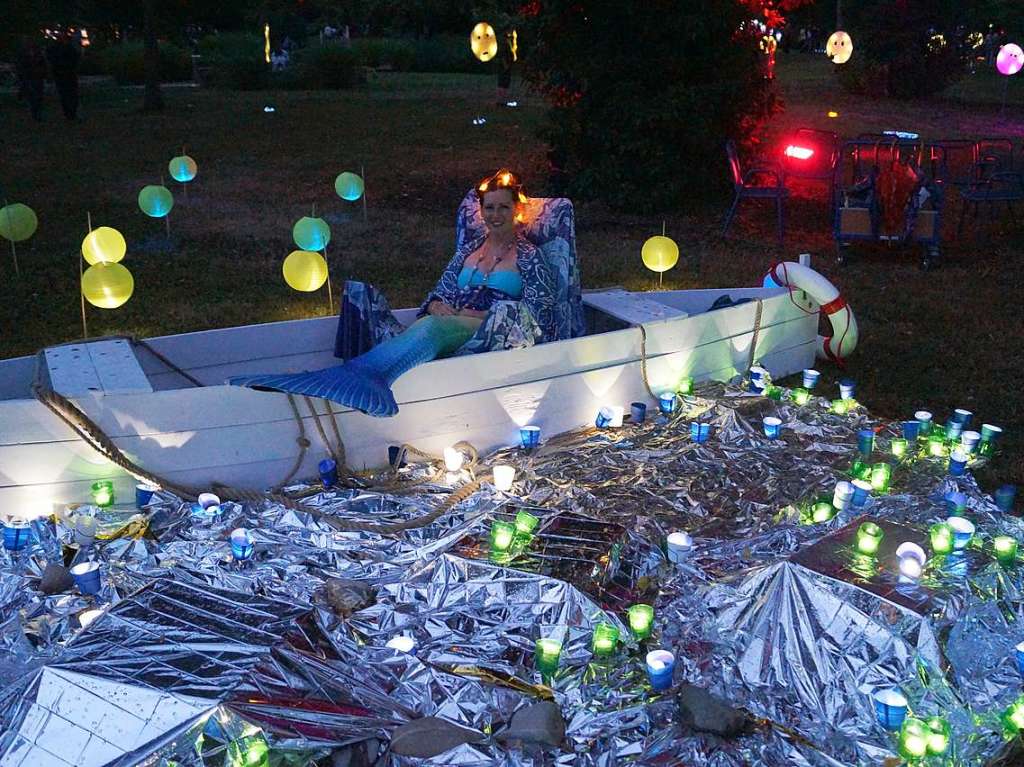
(844, 325)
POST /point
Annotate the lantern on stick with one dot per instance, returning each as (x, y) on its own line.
(659, 254)
(18, 222)
(483, 42)
(839, 47)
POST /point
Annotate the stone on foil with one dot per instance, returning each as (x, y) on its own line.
(540, 723)
(55, 579)
(346, 596)
(430, 736)
(700, 710)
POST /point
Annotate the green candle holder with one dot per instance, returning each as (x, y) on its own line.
(898, 446)
(641, 620)
(939, 735)
(685, 386)
(545, 656)
(823, 511)
(869, 538)
(604, 639)
(1005, 549)
(801, 396)
(502, 535)
(1012, 717)
(102, 493)
(771, 391)
(913, 738)
(937, 446)
(860, 470)
(249, 751)
(526, 523)
(881, 474)
(840, 406)
(941, 536)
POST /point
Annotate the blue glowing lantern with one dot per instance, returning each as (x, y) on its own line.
(156, 201)
(349, 186)
(311, 233)
(182, 168)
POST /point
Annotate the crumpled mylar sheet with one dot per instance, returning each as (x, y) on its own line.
(195, 659)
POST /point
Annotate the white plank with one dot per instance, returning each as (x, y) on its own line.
(632, 308)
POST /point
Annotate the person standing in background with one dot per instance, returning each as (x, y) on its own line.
(64, 54)
(506, 55)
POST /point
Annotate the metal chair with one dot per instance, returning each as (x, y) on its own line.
(991, 185)
(747, 187)
(821, 165)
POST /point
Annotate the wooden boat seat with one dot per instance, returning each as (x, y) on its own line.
(106, 366)
(631, 308)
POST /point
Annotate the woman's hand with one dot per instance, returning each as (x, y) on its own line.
(440, 309)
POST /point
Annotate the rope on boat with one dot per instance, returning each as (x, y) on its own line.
(91, 433)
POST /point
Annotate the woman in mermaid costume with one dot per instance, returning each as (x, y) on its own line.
(498, 270)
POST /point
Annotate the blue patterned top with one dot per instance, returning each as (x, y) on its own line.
(539, 284)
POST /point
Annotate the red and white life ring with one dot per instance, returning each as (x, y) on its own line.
(833, 305)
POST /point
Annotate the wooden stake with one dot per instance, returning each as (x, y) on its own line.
(330, 291)
(81, 293)
(14, 250)
(362, 172)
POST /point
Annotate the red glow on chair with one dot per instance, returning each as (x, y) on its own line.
(799, 152)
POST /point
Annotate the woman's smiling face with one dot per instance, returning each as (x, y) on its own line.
(499, 211)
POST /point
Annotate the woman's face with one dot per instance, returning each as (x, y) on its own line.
(499, 211)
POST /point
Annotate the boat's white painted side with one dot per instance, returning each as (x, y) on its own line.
(247, 438)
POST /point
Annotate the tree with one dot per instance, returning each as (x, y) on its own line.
(153, 101)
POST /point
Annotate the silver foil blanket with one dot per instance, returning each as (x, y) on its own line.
(187, 656)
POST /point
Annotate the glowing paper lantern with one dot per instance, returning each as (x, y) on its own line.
(18, 222)
(1010, 59)
(799, 152)
(483, 41)
(304, 270)
(660, 253)
(156, 201)
(311, 233)
(349, 186)
(103, 245)
(182, 168)
(839, 47)
(107, 285)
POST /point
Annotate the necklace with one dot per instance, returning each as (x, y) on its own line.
(497, 260)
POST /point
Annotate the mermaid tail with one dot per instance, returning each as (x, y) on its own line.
(364, 383)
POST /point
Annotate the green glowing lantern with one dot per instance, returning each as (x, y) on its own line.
(502, 534)
(156, 201)
(182, 168)
(938, 736)
(526, 523)
(545, 654)
(937, 445)
(898, 445)
(349, 186)
(604, 639)
(311, 233)
(685, 385)
(840, 406)
(641, 620)
(771, 391)
(1013, 717)
(251, 751)
(860, 470)
(869, 538)
(913, 738)
(801, 396)
(941, 536)
(864, 566)
(102, 493)
(1005, 549)
(18, 222)
(881, 474)
(823, 511)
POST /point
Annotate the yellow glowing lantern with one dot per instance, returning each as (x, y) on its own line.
(305, 270)
(768, 44)
(833, 114)
(660, 253)
(103, 245)
(483, 41)
(839, 47)
(107, 285)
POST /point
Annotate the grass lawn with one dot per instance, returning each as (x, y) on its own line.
(939, 340)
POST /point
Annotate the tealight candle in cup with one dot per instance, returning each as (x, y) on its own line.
(402, 644)
(811, 377)
(953, 430)
(685, 385)
(989, 436)
(667, 402)
(144, 494)
(938, 736)
(958, 462)
(866, 441)
(328, 469)
(941, 536)
(912, 550)
(618, 414)
(699, 432)
(529, 437)
(861, 492)
(913, 739)
(963, 531)
(1005, 548)
(87, 577)
(860, 470)
(801, 396)
(504, 476)
(910, 569)
(937, 446)
(881, 474)
(641, 620)
(869, 538)
(206, 500)
(546, 653)
(962, 416)
(823, 511)
(846, 388)
(924, 418)
(502, 534)
(453, 459)
(526, 523)
(242, 547)
(890, 708)
(843, 495)
(17, 535)
(969, 441)
(678, 545)
(839, 406)
(102, 492)
(772, 426)
(604, 639)
(1004, 497)
(911, 430)
(660, 665)
(1012, 716)
(898, 446)
(604, 417)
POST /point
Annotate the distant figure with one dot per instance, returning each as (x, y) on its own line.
(31, 70)
(504, 70)
(63, 54)
(279, 60)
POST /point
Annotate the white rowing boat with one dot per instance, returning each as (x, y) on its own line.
(197, 435)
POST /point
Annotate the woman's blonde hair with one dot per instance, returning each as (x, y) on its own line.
(503, 179)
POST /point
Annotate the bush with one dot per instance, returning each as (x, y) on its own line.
(447, 53)
(331, 66)
(385, 52)
(235, 61)
(126, 62)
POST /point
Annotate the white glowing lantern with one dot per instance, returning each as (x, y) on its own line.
(839, 47)
(504, 476)
(453, 459)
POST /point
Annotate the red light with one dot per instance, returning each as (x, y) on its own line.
(798, 152)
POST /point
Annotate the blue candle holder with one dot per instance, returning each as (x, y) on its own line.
(811, 378)
(954, 429)
(911, 429)
(956, 502)
(1004, 497)
(144, 494)
(861, 492)
(604, 418)
(890, 708)
(866, 441)
(637, 412)
(87, 577)
(962, 417)
(699, 432)
(924, 418)
(17, 535)
(529, 437)
(242, 547)
(660, 665)
(667, 402)
(958, 462)
(963, 531)
(847, 387)
(772, 426)
(328, 472)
